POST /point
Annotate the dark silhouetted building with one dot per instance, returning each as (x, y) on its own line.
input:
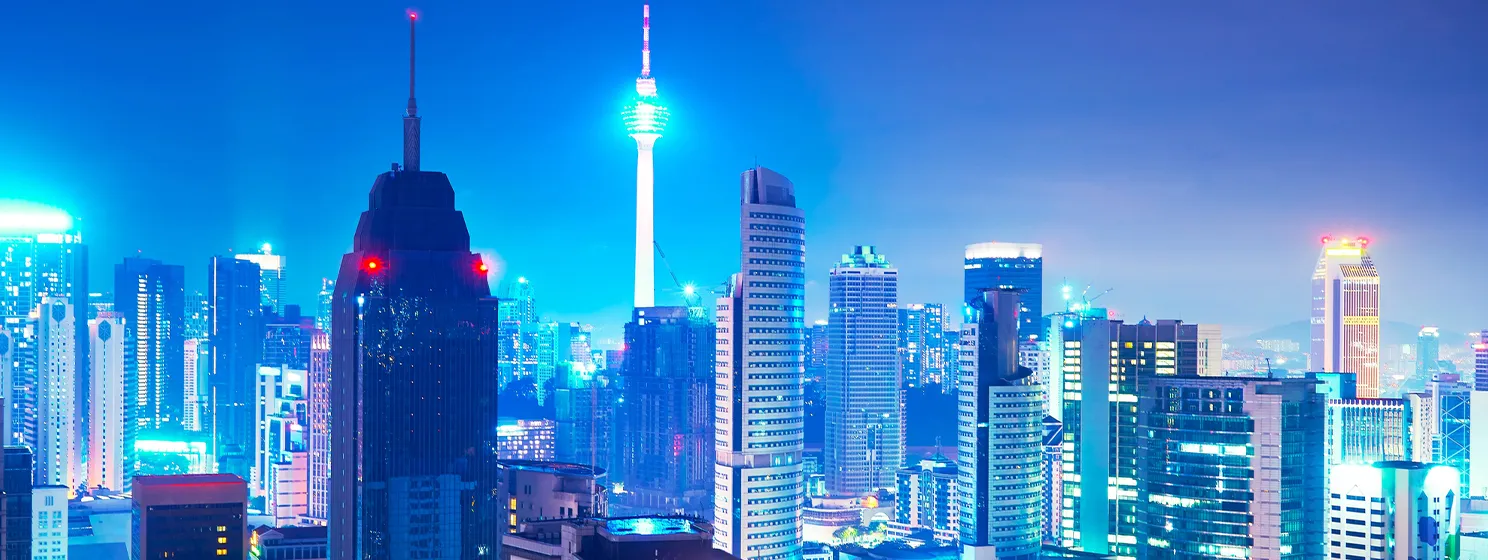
(619, 538)
(667, 455)
(15, 503)
(191, 516)
(151, 298)
(237, 347)
(414, 359)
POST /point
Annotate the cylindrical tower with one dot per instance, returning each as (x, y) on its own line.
(645, 118)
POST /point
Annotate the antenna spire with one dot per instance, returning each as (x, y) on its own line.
(410, 118)
(646, 41)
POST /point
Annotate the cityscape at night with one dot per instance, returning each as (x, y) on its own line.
(356, 280)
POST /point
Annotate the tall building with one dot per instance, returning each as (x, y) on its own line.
(1480, 362)
(864, 445)
(1009, 265)
(519, 333)
(318, 446)
(584, 407)
(413, 428)
(1394, 510)
(323, 304)
(816, 343)
(1227, 467)
(645, 118)
(15, 503)
(197, 353)
(1448, 425)
(1211, 350)
(278, 431)
(58, 363)
(1345, 313)
(1111, 358)
(150, 298)
(1428, 352)
(525, 440)
(271, 277)
(49, 523)
(1365, 431)
(759, 415)
(108, 418)
(922, 357)
(1000, 435)
(927, 499)
(288, 339)
(237, 349)
(667, 454)
(190, 516)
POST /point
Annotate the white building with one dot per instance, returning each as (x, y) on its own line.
(57, 461)
(49, 523)
(106, 411)
(759, 415)
(289, 489)
(191, 409)
(1345, 313)
(1365, 431)
(1211, 349)
(279, 402)
(1392, 510)
(864, 443)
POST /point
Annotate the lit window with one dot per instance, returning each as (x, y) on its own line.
(221, 540)
(222, 552)
(222, 528)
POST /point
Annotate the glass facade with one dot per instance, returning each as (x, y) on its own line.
(1009, 265)
(151, 299)
(1345, 313)
(33, 265)
(667, 448)
(237, 348)
(864, 442)
(922, 348)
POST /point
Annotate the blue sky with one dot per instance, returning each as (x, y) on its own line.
(1187, 154)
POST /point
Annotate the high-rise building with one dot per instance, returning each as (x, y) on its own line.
(279, 409)
(15, 503)
(864, 444)
(1448, 424)
(1211, 350)
(1227, 467)
(288, 339)
(1365, 431)
(289, 488)
(150, 298)
(190, 516)
(816, 343)
(198, 316)
(667, 454)
(519, 334)
(584, 407)
(1394, 510)
(922, 357)
(927, 499)
(526, 440)
(759, 414)
(271, 277)
(106, 465)
(413, 428)
(237, 349)
(58, 362)
(1009, 265)
(554, 345)
(1480, 362)
(197, 352)
(1345, 313)
(323, 304)
(318, 446)
(41, 255)
(1428, 352)
(1111, 358)
(645, 118)
(49, 523)
(1000, 435)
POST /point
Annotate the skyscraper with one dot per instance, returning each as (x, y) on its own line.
(667, 453)
(922, 357)
(271, 277)
(237, 349)
(759, 417)
(1394, 509)
(1480, 362)
(106, 465)
(318, 446)
(645, 118)
(584, 407)
(816, 344)
(149, 297)
(288, 339)
(1211, 350)
(1009, 265)
(519, 334)
(413, 403)
(323, 304)
(58, 362)
(1428, 352)
(1365, 431)
(15, 493)
(1000, 435)
(863, 447)
(1345, 313)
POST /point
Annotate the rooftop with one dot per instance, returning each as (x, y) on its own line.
(180, 479)
(651, 526)
(553, 467)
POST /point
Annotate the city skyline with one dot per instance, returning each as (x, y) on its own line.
(1257, 152)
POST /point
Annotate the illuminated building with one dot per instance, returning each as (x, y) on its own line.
(1227, 467)
(1480, 362)
(318, 448)
(759, 414)
(1441, 432)
(927, 499)
(1394, 510)
(1000, 434)
(645, 118)
(816, 344)
(271, 277)
(922, 357)
(537, 490)
(190, 516)
(288, 492)
(864, 440)
(15, 503)
(1103, 363)
(555, 345)
(288, 339)
(237, 349)
(413, 317)
(198, 316)
(584, 407)
(107, 413)
(667, 455)
(1345, 313)
(1365, 431)
(58, 462)
(1009, 265)
(1428, 352)
(289, 543)
(1053, 473)
(525, 440)
(1211, 350)
(192, 374)
(617, 538)
(165, 456)
(49, 522)
(150, 298)
(323, 301)
(519, 334)
(278, 407)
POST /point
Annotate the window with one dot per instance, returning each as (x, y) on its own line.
(222, 552)
(221, 540)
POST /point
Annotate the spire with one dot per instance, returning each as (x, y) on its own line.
(646, 41)
(411, 118)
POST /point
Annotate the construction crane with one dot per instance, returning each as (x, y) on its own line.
(689, 292)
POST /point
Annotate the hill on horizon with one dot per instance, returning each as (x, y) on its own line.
(1391, 333)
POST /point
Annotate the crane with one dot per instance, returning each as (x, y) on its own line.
(689, 292)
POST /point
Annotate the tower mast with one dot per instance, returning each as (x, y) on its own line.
(410, 118)
(645, 118)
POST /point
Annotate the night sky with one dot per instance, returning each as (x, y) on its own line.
(1187, 154)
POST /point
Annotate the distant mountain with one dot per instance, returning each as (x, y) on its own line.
(1391, 333)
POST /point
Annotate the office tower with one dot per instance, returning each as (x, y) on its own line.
(323, 304)
(190, 516)
(1053, 473)
(519, 334)
(8, 363)
(198, 316)
(289, 488)
(526, 440)
(523, 300)
(271, 277)
(667, 453)
(237, 348)
(1009, 265)
(1227, 467)
(1440, 425)
(552, 490)
(1365, 431)
(1345, 313)
(41, 255)
(1000, 435)
(15, 501)
(864, 443)
(150, 298)
(279, 410)
(1428, 352)
(583, 405)
(816, 343)
(759, 419)
(1211, 350)
(1394, 510)
(108, 418)
(1480, 362)
(922, 356)
(952, 352)
(58, 363)
(318, 448)
(554, 350)
(927, 499)
(645, 118)
(1104, 363)
(192, 372)
(413, 317)
(49, 523)
(288, 339)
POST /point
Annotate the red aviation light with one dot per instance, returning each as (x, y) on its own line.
(481, 267)
(372, 264)
(1327, 240)
(1363, 241)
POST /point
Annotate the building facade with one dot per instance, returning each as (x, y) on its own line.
(539, 490)
(922, 357)
(58, 364)
(1009, 265)
(864, 444)
(525, 440)
(1345, 313)
(667, 447)
(237, 348)
(190, 516)
(150, 298)
(106, 465)
(1365, 431)
(271, 278)
(1394, 510)
(759, 415)
(49, 523)
(928, 498)
(15, 503)
(318, 446)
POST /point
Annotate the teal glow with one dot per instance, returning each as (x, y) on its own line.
(646, 115)
(19, 216)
